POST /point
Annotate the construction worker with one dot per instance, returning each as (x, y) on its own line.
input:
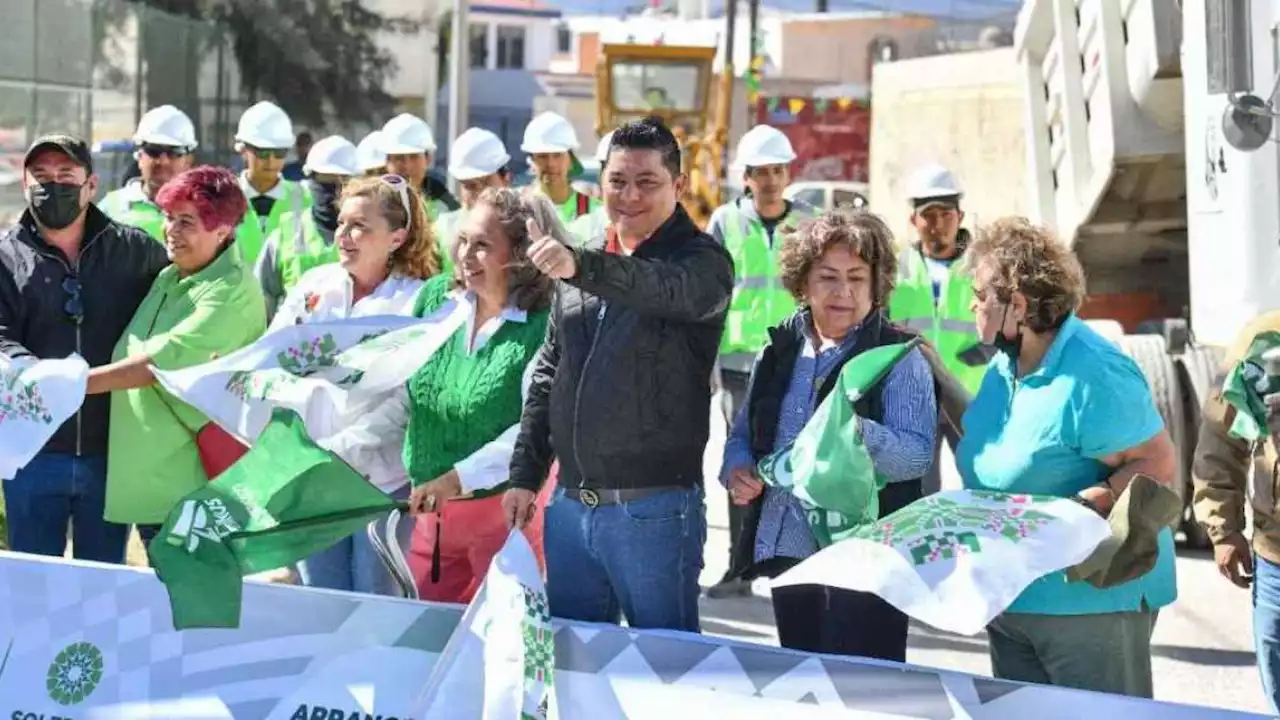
(594, 223)
(305, 241)
(370, 159)
(750, 229)
(163, 146)
(264, 139)
(409, 144)
(550, 142)
(934, 291)
(477, 160)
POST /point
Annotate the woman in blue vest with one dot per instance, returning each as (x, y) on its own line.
(841, 268)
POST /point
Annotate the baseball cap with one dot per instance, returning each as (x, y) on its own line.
(69, 145)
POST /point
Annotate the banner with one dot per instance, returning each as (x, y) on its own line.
(96, 642)
(36, 398)
(958, 558)
(330, 373)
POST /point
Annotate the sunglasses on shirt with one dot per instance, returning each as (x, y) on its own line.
(73, 305)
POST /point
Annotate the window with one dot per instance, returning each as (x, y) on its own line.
(510, 47)
(812, 196)
(882, 49)
(479, 45)
(848, 199)
(564, 40)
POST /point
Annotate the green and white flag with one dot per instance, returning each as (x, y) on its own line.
(285, 500)
(1247, 385)
(957, 559)
(330, 373)
(827, 467)
(36, 397)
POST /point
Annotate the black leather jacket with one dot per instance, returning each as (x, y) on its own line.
(116, 267)
(621, 388)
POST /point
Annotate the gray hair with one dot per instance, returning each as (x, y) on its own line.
(528, 287)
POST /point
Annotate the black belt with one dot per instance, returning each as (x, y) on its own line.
(595, 497)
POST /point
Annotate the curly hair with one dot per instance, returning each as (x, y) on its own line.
(865, 234)
(527, 287)
(214, 192)
(1028, 258)
(419, 256)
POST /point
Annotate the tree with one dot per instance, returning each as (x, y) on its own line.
(317, 59)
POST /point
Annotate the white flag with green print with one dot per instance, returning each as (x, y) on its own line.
(957, 559)
(330, 373)
(36, 398)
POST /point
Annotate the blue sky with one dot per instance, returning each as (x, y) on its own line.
(959, 9)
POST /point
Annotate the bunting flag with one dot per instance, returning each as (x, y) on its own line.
(795, 105)
(36, 398)
(772, 104)
(844, 103)
(820, 105)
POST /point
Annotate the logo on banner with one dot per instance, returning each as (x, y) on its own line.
(202, 520)
(74, 674)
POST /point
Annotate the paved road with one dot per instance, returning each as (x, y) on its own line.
(1202, 646)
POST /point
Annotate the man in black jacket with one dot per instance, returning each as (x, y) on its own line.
(621, 395)
(70, 281)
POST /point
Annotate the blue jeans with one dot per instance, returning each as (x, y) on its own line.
(55, 489)
(352, 564)
(640, 559)
(1266, 626)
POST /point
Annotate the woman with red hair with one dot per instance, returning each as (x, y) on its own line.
(206, 304)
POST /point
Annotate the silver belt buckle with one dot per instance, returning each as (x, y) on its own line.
(589, 497)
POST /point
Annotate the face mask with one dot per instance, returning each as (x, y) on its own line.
(325, 209)
(1011, 347)
(56, 205)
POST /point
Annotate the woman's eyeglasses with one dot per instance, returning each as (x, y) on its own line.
(401, 186)
(73, 306)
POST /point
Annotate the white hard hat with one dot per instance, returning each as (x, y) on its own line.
(933, 181)
(602, 150)
(166, 125)
(763, 145)
(549, 133)
(405, 134)
(334, 155)
(369, 154)
(477, 153)
(265, 126)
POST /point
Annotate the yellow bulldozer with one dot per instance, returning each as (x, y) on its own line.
(675, 83)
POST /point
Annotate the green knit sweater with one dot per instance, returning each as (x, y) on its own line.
(458, 403)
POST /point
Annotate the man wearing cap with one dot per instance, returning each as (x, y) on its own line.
(304, 242)
(409, 144)
(70, 281)
(751, 228)
(934, 292)
(264, 138)
(164, 146)
(477, 160)
(550, 142)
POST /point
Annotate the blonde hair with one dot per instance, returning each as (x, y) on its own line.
(1029, 258)
(419, 255)
(527, 287)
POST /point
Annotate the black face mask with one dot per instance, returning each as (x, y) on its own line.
(1011, 347)
(325, 207)
(56, 205)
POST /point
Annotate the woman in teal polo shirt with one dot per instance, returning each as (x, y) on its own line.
(1062, 412)
(205, 305)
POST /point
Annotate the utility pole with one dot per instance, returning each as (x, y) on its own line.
(753, 31)
(459, 71)
(430, 36)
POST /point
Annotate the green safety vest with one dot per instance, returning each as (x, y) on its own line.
(300, 247)
(576, 206)
(251, 235)
(136, 212)
(590, 226)
(948, 324)
(759, 299)
(446, 227)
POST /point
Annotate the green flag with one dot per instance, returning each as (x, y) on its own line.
(827, 466)
(1246, 386)
(286, 499)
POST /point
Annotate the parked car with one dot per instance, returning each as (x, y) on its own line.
(829, 195)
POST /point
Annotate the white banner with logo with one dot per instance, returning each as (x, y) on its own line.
(88, 641)
(36, 397)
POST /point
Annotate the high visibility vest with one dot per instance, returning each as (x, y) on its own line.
(759, 299)
(126, 208)
(434, 208)
(578, 205)
(590, 226)
(446, 229)
(251, 235)
(300, 247)
(949, 323)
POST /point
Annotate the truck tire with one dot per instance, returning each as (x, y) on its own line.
(1148, 351)
(1198, 371)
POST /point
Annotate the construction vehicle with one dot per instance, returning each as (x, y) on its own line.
(675, 83)
(1149, 130)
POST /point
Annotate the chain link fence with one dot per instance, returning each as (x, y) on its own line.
(92, 67)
